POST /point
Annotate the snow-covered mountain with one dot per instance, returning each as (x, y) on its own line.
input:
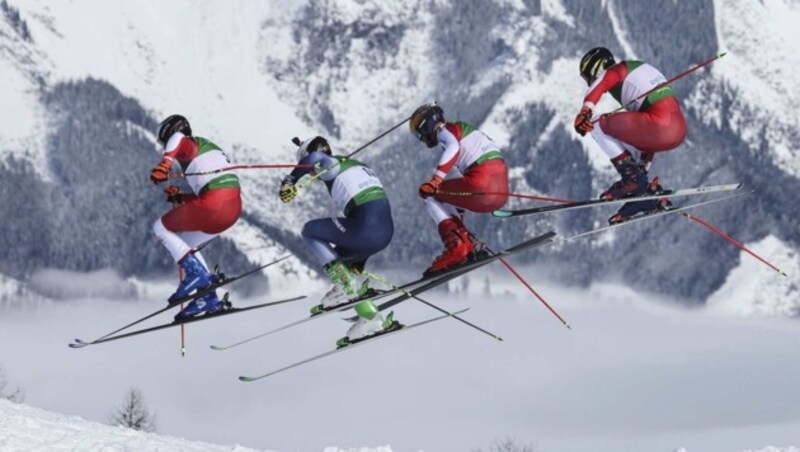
(81, 102)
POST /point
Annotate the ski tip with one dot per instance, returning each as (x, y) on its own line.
(501, 213)
(216, 347)
(499, 338)
(245, 378)
(77, 344)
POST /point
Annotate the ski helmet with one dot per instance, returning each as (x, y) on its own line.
(173, 123)
(426, 121)
(316, 144)
(594, 62)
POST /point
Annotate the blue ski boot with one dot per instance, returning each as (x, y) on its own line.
(639, 208)
(633, 178)
(206, 304)
(195, 278)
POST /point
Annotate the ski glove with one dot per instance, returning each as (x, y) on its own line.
(430, 188)
(174, 195)
(583, 122)
(161, 172)
(287, 192)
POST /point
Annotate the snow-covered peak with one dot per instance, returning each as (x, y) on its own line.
(762, 65)
(754, 289)
(189, 57)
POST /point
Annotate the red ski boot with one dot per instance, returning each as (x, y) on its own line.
(457, 247)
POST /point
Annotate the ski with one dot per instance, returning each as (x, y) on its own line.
(339, 308)
(221, 313)
(596, 202)
(351, 346)
(659, 213)
(427, 283)
(468, 267)
(222, 282)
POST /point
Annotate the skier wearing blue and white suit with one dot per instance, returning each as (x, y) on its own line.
(343, 244)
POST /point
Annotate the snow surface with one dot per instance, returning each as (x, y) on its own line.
(25, 428)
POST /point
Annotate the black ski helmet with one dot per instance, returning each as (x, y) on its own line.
(316, 144)
(426, 121)
(173, 123)
(594, 62)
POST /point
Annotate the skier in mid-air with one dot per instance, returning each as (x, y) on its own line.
(631, 138)
(213, 206)
(482, 188)
(342, 245)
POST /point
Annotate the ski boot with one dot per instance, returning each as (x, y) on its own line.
(457, 247)
(646, 160)
(346, 286)
(633, 178)
(206, 304)
(641, 208)
(195, 278)
(370, 323)
(479, 249)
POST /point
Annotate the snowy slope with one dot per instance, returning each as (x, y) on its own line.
(763, 67)
(753, 289)
(24, 427)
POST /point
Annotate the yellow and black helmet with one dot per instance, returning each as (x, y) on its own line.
(594, 62)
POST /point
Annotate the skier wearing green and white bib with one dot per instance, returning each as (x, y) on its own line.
(343, 244)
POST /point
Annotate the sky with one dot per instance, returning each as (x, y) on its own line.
(633, 374)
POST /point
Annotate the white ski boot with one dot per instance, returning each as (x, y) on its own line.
(370, 323)
(346, 286)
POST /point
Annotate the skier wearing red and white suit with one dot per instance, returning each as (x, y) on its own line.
(650, 124)
(484, 181)
(213, 206)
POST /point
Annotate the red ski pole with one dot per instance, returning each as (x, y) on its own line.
(536, 294)
(730, 239)
(236, 167)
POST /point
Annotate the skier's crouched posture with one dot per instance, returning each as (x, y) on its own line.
(482, 187)
(213, 206)
(653, 122)
(342, 245)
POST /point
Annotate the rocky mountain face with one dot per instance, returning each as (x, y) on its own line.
(350, 70)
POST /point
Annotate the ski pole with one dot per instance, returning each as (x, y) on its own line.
(443, 311)
(536, 294)
(661, 85)
(236, 167)
(719, 232)
(319, 174)
(730, 239)
(512, 195)
(183, 327)
(530, 288)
